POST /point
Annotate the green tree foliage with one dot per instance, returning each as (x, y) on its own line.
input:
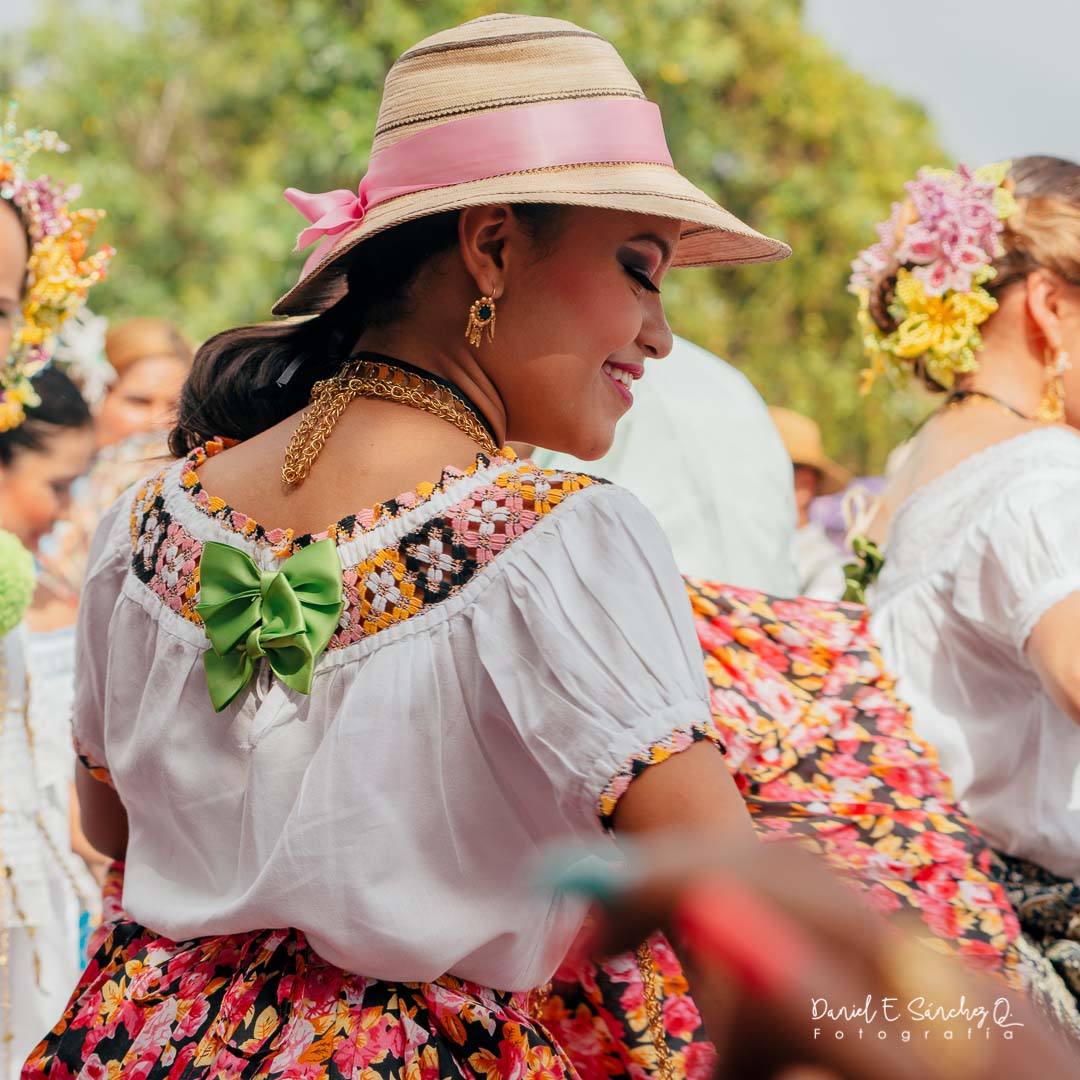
(188, 117)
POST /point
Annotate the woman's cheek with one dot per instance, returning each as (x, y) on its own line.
(132, 416)
(48, 510)
(618, 317)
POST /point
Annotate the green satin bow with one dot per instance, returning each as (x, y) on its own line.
(286, 615)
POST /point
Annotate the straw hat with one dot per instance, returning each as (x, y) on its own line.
(504, 67)
(133, 340)
(802, 440)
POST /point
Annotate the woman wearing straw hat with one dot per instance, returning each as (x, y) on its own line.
(330, 753)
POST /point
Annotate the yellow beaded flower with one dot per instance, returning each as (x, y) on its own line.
(937, 248)
(60, 271)
(943, 330)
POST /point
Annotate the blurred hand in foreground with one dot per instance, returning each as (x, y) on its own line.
(797, 979)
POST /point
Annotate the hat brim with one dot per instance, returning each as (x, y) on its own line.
(711, 236)
(834, 477)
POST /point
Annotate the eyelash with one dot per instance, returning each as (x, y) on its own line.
(641, 278)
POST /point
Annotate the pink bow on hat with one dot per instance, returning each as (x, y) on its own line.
(331, 213)
(497, 143)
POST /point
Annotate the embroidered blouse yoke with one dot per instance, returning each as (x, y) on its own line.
(514, 646)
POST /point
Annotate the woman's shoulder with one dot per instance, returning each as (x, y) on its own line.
(950, 519)
(1039, 460)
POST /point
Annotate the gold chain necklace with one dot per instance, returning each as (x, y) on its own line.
(374, 379)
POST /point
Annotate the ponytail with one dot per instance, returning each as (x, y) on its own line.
(246, 380)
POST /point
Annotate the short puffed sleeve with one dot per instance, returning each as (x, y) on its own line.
(588, 644)
(109, 559)
(1022, 557)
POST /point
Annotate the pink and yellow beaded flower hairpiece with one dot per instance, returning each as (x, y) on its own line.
(60, 271)
(939, 245)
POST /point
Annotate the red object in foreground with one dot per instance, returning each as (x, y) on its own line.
(722, 923)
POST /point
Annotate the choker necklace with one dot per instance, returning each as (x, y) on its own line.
(373, 375)
(958, 397)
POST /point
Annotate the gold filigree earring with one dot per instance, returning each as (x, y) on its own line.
(1052, 407)
(481, 317)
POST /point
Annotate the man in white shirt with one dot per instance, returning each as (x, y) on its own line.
(699, 450)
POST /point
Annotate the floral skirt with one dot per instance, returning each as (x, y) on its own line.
(263, 1005)
(822, 750)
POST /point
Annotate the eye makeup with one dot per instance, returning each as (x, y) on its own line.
(641, 277)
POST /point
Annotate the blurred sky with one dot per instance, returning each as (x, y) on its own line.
(1000, 77)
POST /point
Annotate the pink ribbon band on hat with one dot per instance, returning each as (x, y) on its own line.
(591, 132)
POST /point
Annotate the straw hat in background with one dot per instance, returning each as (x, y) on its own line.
(512, 108)
(137, 339)
(802, 440)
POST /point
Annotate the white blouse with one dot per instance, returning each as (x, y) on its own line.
(27, 819)
(514, 645)
(975, 559)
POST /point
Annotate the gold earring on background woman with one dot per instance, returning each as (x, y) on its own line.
(481, 317)
(1052, 407)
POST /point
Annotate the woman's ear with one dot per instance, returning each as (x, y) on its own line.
(1049, 300)
(487, 236)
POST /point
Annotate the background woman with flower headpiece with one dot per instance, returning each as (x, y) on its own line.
(974, 289)
(46, 440)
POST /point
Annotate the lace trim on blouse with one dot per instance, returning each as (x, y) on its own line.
(674, 743)
(925, 533)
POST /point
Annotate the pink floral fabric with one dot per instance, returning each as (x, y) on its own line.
(263, 1006)
(821, 749)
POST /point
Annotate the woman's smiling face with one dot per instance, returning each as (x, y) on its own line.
(577, 325)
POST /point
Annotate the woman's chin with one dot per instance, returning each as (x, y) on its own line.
(584, 444)
(591, 449)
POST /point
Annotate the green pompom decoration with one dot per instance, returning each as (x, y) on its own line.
(17, 581)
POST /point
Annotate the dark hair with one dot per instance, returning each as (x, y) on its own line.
(61, 406)
(233, 388)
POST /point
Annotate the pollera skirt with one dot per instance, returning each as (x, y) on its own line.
(822, 750)
(263, 1005)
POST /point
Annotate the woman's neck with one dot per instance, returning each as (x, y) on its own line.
(1010, 372)
(456, 364)
(1004, 392)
